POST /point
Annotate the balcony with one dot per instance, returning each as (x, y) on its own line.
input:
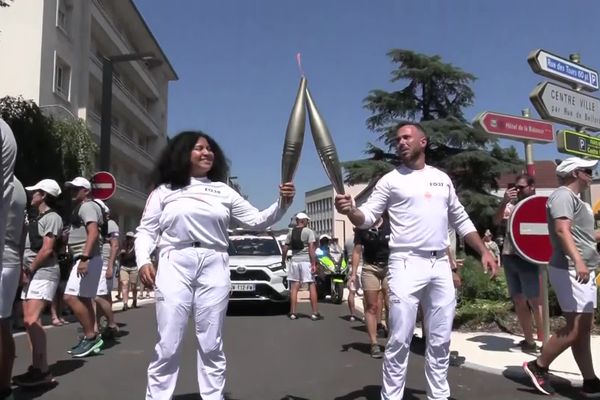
(126, 147)
(125, 96)
(130, 195)
(105, 20)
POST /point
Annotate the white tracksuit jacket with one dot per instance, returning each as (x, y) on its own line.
(193, 280)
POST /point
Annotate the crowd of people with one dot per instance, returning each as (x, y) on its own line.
(405, 241)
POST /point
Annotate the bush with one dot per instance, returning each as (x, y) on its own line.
(477, 285)
(481, 311)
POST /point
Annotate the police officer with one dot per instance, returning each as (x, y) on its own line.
(188, 215)
(421, 203)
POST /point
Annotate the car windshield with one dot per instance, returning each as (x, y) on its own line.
(253, 247)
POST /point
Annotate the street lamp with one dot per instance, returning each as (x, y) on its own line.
(106, 112)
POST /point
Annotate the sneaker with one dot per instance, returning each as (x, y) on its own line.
(110, 333)
(88, 346)
(527, 347)
(352, 318)
(33, 377)
(376, 351)
(316, 316)
(591, 388)
(539, 377)
(76, 346)
(382, 331)
(292, 316)
(29, 369)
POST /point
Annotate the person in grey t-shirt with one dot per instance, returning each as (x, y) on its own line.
(40, 276)
(571, 271)
(302, 241)
(8, 147)
(84, 244)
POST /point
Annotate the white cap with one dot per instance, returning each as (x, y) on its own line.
(79, 182)
(324, 237)
(487, 233)
(103, 205)
(570, 164)
(49, 186)
(130, 234)
(302, 215)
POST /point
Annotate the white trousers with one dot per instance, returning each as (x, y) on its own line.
(190, 282)
(428, 280)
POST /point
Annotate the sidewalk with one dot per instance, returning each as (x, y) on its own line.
(495, 352)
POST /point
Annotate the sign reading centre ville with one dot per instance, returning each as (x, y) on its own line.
(512, 127)
(104, 185)
(560, 104)
(555, 67)
(529, 230)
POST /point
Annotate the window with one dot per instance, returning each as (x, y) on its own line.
(63, 15)
(62, 78)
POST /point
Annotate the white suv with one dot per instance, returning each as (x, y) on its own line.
(255, 268)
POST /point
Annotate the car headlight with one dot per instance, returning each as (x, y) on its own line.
(276, 266)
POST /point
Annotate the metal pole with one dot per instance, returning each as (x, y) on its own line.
(106, 114)
(542, 268)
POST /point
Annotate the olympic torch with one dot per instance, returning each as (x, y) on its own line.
(325, 146)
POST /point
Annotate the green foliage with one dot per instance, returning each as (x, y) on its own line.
(436, 93)
(481, 311)
(47, 148)
(478, 285)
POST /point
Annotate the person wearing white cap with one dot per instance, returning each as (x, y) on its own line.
(9, 279)
(303, 265)
(41, 275)
(186, 217)
(110, 251)
(84, 244)
(571, 271)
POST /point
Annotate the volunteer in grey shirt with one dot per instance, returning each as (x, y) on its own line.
(40, 276)
(8, 146)
(571, 273)
(84, 244)
(302, 241)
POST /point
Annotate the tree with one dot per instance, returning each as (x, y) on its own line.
(47, 148)
(4, 3)
(436, 93)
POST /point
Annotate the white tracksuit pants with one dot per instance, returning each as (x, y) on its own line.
(190, 281)
(415, 278)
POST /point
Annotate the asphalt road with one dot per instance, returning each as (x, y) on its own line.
(269, 358)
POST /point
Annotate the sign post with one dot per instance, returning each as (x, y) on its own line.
(531, 240)
(104, 185)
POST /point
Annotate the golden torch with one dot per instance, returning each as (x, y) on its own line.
(325, 146)
(294, 135)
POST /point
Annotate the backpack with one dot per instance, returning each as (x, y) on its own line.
(36, 240)
(296, 241)
(77, 222)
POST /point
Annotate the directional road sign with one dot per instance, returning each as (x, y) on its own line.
(559, 104)
(104, 185)
(547, 64)
(578, 144)
(529, 230)
(511, 127)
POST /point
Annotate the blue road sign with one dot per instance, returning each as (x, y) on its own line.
(558, 68)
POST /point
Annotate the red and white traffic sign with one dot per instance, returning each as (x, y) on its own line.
(529, 230)
(104, 185)
(517, 128)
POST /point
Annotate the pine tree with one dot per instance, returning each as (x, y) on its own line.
(436, 93)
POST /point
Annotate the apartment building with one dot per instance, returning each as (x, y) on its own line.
(324, 217)
(55, 49)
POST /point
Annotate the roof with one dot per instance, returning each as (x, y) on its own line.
(545, 175)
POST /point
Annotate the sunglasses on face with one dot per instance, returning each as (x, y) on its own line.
(587, 171)
(521, 187)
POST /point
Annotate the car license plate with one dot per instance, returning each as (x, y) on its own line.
(243, 287)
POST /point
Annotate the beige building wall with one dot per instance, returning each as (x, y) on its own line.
(56, 48)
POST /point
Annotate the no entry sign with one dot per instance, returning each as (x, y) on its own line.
(104, 185)
(529, 230)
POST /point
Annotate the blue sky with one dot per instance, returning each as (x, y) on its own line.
(238, 75)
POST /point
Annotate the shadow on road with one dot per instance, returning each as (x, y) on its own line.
(562, 386)
(63, 367)
(256, 309)
(289, 397)
(493, 343)
(196, 396)
(364, 348)
(59, 368)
